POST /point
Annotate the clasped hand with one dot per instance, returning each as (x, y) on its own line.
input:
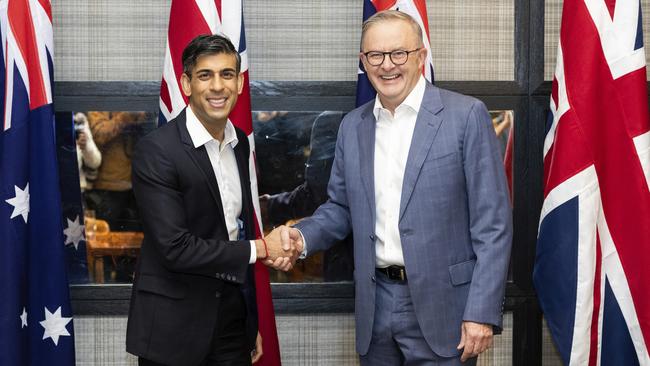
(283, 246)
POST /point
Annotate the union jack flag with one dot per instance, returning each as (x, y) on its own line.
(593, 251)
(188, 19)
(35, 317)
(415, 8)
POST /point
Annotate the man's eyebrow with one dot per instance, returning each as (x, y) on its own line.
(227, 69)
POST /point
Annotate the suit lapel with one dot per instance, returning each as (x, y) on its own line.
(426, 129)
(242, 155)
(200, 158)
(366, 137)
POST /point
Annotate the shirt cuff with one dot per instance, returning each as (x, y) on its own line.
(303, 254)
(253, 257)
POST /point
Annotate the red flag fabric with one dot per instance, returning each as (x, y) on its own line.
(508, 158)
(593, 246)
(188, 19)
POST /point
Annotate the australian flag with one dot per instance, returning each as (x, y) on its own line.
(593, 250)
(35, 317)
(416, 9)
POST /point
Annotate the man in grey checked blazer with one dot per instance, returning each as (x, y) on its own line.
(431, 260)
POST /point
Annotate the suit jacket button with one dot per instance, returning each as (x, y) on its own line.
(217, 295)
(373, 279)
(372, 237)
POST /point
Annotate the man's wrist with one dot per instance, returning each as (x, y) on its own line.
(261, 249)
(303, 251)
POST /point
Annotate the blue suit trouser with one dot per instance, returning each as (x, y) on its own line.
(396, 335)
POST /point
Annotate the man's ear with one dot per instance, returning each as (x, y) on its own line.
(185, 84)
(240, 82)
(422, 56)
(363, 60)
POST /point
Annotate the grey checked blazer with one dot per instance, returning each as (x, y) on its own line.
(455, 218)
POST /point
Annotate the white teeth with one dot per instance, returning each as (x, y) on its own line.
(389, 77)
(217, 101)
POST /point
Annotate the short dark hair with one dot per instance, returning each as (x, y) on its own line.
(207, 44)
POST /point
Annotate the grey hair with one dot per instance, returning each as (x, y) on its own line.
(391, 15)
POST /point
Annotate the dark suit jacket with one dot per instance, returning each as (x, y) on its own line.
(186, 256)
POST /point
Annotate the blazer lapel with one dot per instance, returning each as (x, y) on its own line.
(426, 129)
(366, 137)
(242, 155)
(200, 158)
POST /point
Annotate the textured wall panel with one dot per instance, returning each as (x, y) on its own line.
(109, 39)
(303, 40)
(307, 40)
(472, 40)
(550, 356)
(305, 340)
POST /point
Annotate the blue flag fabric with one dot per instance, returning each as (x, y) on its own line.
(365, 91)
(72, 208)
(35, 316)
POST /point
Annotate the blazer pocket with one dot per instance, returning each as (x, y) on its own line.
(162, 286)
(461, 273)
(441, 159)
(437, 155)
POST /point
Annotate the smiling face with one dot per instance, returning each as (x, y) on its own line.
(393, 83)
(213, 89)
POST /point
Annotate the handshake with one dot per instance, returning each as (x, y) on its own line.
(280, 248)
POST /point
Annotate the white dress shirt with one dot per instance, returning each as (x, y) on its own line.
(393, 136)
(224, 164)
(392, 143)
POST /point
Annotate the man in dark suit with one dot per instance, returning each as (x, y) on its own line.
(418, 179)
(193, 300)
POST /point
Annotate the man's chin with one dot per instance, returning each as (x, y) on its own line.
(389, 91)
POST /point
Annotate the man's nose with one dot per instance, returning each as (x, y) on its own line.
(387, 63)
(216, 83)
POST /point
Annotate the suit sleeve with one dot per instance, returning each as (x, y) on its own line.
(490, 218)
(161, 204)
(331, 221)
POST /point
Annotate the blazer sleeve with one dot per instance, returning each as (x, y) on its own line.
(490, 218)
(161, 204)
(331, 222)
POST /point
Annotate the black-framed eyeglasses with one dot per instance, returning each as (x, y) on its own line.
(397, 57)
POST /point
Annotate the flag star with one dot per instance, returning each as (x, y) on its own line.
(55, 325)
(20, 202)
(74, 233)
(23, 319)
